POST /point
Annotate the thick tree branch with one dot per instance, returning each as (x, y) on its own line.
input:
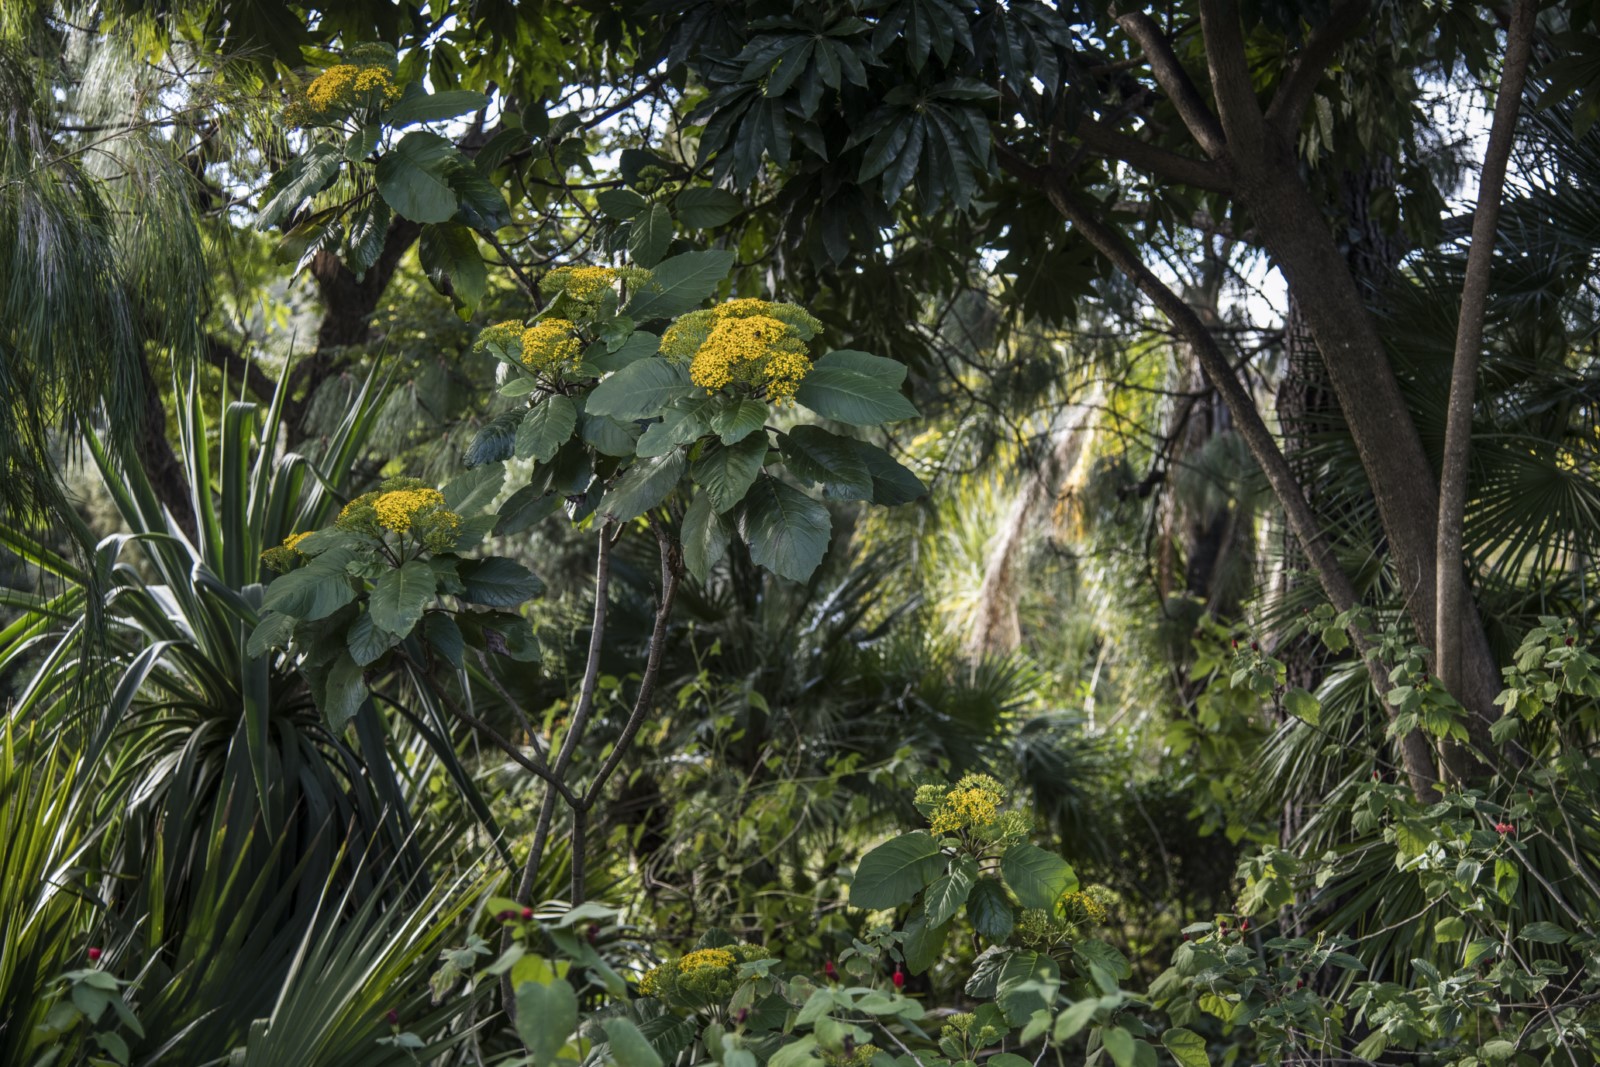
(223, 355)
(1452, 601)
(1416, 752)
(1174, 81)
(1147, 157)
(1231, 83)
(1305, 70)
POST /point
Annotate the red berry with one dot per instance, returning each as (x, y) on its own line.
(1301, 984)
(94, 955)
(899, 978)
(1255, 646)
(1243, 926)
(1569, 642)
(594, 932)
(827, 969)
(741, 1015)
(392, 1017)
(527, 913)
(1504, 828)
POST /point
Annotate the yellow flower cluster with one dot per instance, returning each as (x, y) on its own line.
(342, 88)
(403, 505)
(282, 558)
(972, 804)
(706, 959)
(547, 345)
(1083, 907)
(397, 509)
(751, 342)
(580, 283)
(700, 978)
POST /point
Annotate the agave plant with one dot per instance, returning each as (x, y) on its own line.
(225, 808)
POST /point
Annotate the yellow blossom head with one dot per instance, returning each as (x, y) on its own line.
(403, 506)
(971, 805)
(754, 343)
(549, 345)
(342, 89)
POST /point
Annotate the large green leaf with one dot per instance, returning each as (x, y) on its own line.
(302, 179)
(643, 486)
(432, 107)
(949, 891)
(701, 209)
(679, 284)
(848, 395)
(400, 597)
(366, 641)
(273, 631)
(545, 428)
(315, 590)
(641, 390)
(924, 942)
(449, 254)
(339, 691)
(896, 871)
(705, 537)
(498, 582)
(725, 472)
(815, 455)
(990, 910)
(892, 483)
(1037, 877)
(628, 1046)
(414, 180)
(738, 420)
(546, 1017)
(651, 234)
(786, 530)
(472, 492)
(889, 371)
(483, 206)
(1186, 1046)
(1028, 982)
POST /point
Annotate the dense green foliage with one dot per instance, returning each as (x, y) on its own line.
(902, 533)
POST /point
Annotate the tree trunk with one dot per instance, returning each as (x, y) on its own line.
(155, 454)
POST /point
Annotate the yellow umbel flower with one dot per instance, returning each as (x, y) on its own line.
(706, 959)
(732, 342)
(972, 804)
(397, 508)
(343, 88)
(650, 982)
(294, 539)
(1080, 906)
(550, 344)
(748, 342)
(580, 283)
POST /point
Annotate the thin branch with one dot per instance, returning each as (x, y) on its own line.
(1147, 157)
(1451, 597)
(1305, 70)
(1175, 81)
(671, 573)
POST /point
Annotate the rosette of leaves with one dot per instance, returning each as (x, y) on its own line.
(633, 424)
(390, 578)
